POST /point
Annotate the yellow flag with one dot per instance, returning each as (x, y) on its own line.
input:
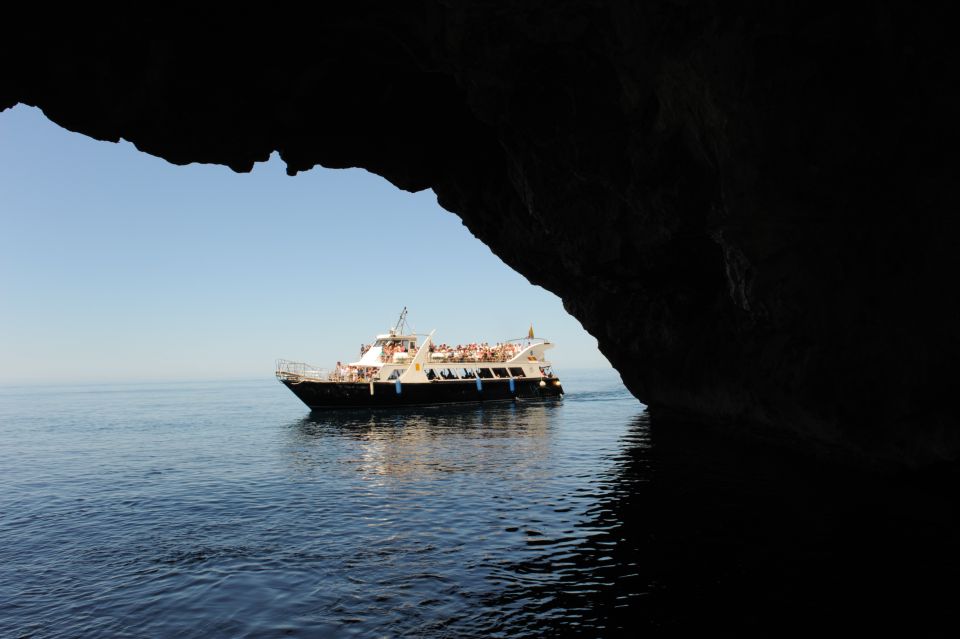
(530, 334)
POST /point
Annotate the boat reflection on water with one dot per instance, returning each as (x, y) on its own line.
(505, 509)
(428, 440)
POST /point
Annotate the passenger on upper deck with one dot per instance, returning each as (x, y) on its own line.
(475, 352)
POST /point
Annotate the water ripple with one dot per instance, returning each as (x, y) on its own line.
(225, 510)
(222, 509)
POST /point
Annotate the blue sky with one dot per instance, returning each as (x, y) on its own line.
(116, 265)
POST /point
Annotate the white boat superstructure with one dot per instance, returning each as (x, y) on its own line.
(402, 356)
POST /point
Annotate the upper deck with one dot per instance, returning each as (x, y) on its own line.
(401, 349)
(384, 360)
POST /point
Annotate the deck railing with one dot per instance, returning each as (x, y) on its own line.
(300, 370)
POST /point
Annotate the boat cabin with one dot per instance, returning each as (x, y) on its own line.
(407, 343)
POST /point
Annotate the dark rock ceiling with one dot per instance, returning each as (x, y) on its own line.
(753, 208)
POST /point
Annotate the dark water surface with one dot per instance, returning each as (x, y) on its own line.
(228, 510)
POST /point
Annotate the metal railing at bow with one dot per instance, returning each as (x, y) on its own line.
(300, 370)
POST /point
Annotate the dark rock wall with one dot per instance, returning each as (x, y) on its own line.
(753, 205)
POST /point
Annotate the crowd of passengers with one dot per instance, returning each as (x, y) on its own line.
(499, 352)
(389, 349)
(475, 352)
(348, 373)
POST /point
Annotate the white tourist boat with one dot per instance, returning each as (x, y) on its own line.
(401, 368)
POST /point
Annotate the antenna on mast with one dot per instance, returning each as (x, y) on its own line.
(401, 321)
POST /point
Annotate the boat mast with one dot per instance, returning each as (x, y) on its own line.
(401, 322)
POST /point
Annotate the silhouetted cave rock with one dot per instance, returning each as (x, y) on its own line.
(753, 208)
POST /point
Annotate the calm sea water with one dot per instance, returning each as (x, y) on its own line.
(228, 510)
(199, 509)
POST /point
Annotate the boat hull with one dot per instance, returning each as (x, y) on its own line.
(323, 395)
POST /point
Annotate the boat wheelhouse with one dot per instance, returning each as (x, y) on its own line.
(398, 369)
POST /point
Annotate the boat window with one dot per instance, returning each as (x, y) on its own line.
(431, 374)
(468, 373)
(397, 372)
(501, 372)
(485, 373)
(451, 374)
(517, 372)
